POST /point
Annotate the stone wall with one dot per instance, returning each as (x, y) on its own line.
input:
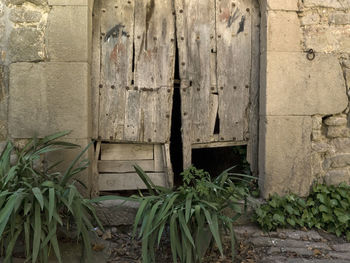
(45, 70)
(304, 131)
(45, 53)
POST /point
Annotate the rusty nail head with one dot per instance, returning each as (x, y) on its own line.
(182, 38)
(129, 2)
(174, 13)
(248, 9)
(112, 87)
(198, 89)
(136, 88)
(103, 33)
(168, 116)
(115, 6)
(138, 37)
(100, 86)
(221, 88)
(111, 137)
(234, 87)
(233, 4)
(181, 11)
(234, 138)
(198, 140)
(128, 35)
(168, 90)
(219, 36)
(154, 38)
(184, 89)
(185, 113)
(103, 10)
(183, 63)
(149, 140)
(127, 88)
(222, 138)
(247, 86)
(172, 40)
(99, 137)
(212, 88)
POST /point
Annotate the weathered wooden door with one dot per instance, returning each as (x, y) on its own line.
(134, 49)
(218, 43)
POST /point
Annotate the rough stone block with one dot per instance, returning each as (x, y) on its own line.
(26, 44)
(310, 18)
(335, 177)
(340, 161)
(321, 147)
(283, 31)
(48, 97)
(297, 86)
(339, 18)
(290, 5)
(316, 165)
(317, 122)
(342, 144)
(67, 33)
(24, 15)
(285, 156)
(343, 4)
(338, 131)
(19, 2)
(323, 38)
(336, 120)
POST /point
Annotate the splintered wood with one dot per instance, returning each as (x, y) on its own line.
(137, 67)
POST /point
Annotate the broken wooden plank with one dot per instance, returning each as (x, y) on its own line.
(123, 152)
(126, 166)
(233, 29)
(117, 26)
(128, 181)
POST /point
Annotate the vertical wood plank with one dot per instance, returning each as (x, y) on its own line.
(95, 81)
(233, 29)
(117, 26)
(154, 66)
(95, 174)
(167, 164)
(158, 158)
(252, 148)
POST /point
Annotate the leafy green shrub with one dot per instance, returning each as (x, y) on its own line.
(193, 213)
(327, 208)
(35, 201)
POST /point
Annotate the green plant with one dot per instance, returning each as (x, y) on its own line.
(327, 208)
(35, 201)
(193, 213)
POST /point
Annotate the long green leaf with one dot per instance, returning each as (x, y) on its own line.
(138, 215)
(51, 202)
(214, 228)
(183, 225)
(144, 177)
(37, 232)
(38, 195)
(11, 245)
(188, 206)
(173, 237)
(6, 212)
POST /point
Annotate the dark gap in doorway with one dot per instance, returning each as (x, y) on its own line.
(176, 136)
(216, 160)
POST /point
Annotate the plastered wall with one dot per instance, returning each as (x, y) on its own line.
(45, 53)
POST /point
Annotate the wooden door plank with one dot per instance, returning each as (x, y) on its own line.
(124, 152)
(128, 181)
(117, 25)
(158, 158)
(96, 67)
(252, 149)
(94, 182)
(233, 29)
(196, 31)
(154, 67)
(167, 164)
(132, 127)
(126, 166)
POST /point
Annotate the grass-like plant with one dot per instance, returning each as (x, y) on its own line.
(193, 213)
(35, 201)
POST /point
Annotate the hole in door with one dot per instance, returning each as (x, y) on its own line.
(216, 160)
